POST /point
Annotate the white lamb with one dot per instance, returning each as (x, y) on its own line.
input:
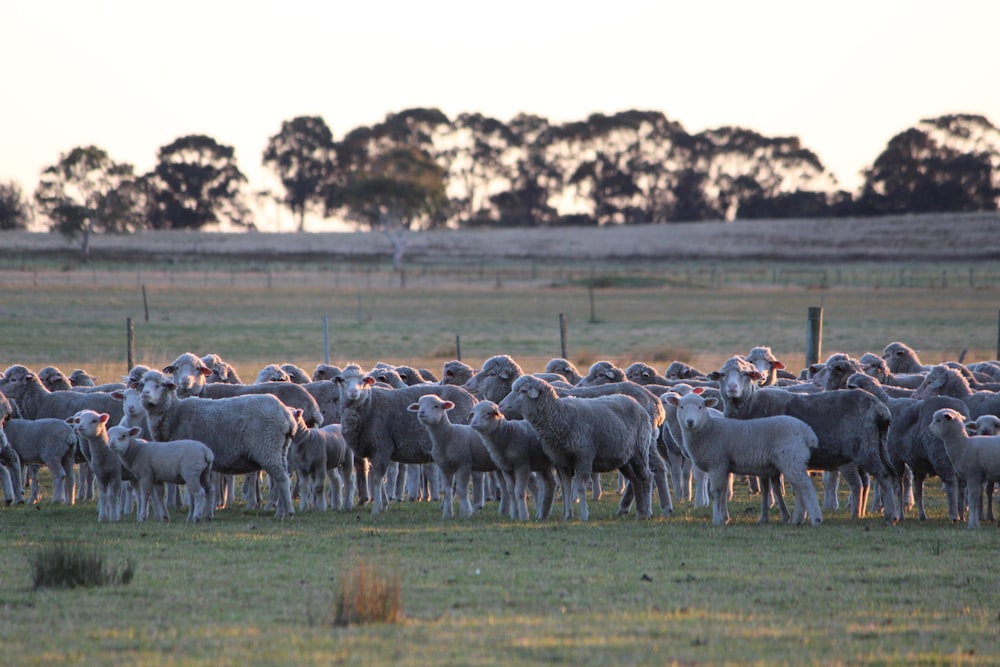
(186, 462)
(765, 447)
(976, 457)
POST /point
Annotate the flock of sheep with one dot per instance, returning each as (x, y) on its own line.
(349, 436)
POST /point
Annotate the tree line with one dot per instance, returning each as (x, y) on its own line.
(418, 169)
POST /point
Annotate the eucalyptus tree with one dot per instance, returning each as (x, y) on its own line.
(15, 212)
(301, 154)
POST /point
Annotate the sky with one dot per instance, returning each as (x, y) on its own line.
(844, 76)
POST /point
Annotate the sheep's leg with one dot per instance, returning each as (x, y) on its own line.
(831, 487)
(160, 503)
(659, 470)
(578, 490)
(886, 482)
(361, 467)
(448, 497)
(990, 488)
(765, 493)
(907, 499)
(281, 488)
(718, 483)
(701, 495)
(595, 484)
(347, 472)
(319, 490)
(376, 477)
(58, 485)
(974, 497)
(414, 483)
(462, 478)
(755, 485)
(777, 493)
(8, 485)
(805, 496)
(478, 490)
(547, 494)
(917, 487)
(518, 482)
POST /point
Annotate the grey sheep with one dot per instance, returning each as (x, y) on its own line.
(81, 378)
(317, 454)
(153, 464)
(189, 373)
(296, 374)
(602, 372)
(246, 433)
(876, 366)
(517, 452)
(764, 447)
(769, 365)
(378, 427)
(943, 380)
(645, 374)
(54, 379)
(34, 401)
(458, 452)
(456, 372)
(291, 394)
(976, 457)
(91, 428)
(585, 435)
(678, 370)
(852, 426)
(325, 372)
(496, 377)
(272, 373)
(222, 371)
(49, 442)
(565, 368)
(901, 358)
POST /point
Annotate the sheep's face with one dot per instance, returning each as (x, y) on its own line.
(485, 416)
(934, 383)
(984, 425)
(946, 422)
(493, 382)
(692, 409)
(132, 405)
(431, 409)
(353, 385)
(272, 373)
(88, 424)
(737, 378)
(525, 391)
(189, 373)
(155, 389)
(120, 437)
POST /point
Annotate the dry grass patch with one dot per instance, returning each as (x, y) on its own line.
(368, 593)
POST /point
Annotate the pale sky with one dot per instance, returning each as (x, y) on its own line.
(130, 76)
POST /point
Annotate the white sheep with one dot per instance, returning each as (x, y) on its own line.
(585, 435)
(765, 447)
(457, 450)
(976, 457)
(317, 454)
(50, 442)
(602, 372)
(186, 462)
(34, 401)
(246, 433)
(456, 372)
(91, 427)
(517, 452)
(272, 373)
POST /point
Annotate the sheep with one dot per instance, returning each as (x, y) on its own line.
(836, 370)
(986, 425)
(222, 371)
(91, 427)
(976, 457)
(678, 370)
(54, 379)
(246, 433)
(876, 366)
(902, 358)
(81, 378)
(325, 372)
(186, 462)
(411, 376)
(316, 453)
(517, 452)
(291, 394)
(388, 377)
(49, 442)
(189, 373)
(456, 372)
(272, 373)
(769, 365)
(645, 374)
(602, 372)
(10, 472)
(377, 426)
(852, 426)
(134, 377)
(565, 368)
(457, 450)
(765, 447)
(943, 380)
(495, 378)
(34, 401)
(585, 435)
(295, 374)
(913, 447)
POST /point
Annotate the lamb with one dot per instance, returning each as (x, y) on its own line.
(91, 428)
(222, 371)
(34, 401)
(602, 372)
(986, 425)
(411, 376)
(769, 365)
(585, 435)
(456, 372)
(189, 373)
(517, 452)
(49, 442)
(246, 433)
(10, 472)
(81, 378)
(377, 426)
(976, 457)
(315, 454)
(874, 365)
(852, 426)
(764, 447)
(457, 450)
(495, 378)
(901, 358)
(134, 377)
(186, 462)
(565, 368)
(943, 380)
(837, 369)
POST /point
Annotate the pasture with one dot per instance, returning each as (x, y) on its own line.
(245, 589)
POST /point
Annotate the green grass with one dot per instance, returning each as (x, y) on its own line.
(246, 589)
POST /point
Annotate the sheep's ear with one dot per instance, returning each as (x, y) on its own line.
(698, 390)
(170, 385)
(29, 376)
(205, 370)
(134, 431)
(972, 428)
(533, 392)
(715, 376)
(447, 405)
(169, 370)
(755, 374)
(369, 380)
(118, 395)
(504, 374)
(778, 365)
(413, 407)
(297, 412)
(71, 420)
(104, 417)
(672, 399)
(711, 401)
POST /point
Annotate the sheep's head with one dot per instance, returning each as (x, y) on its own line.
(946, 422)
(485, 416)
(493, 381)
(737, 378)
(455, 372)
(155, 389)
(120, 437)
(54, 379)
(692, 408)
(353, 383)
(88, 423)
(900, 358)
(325, 372)
(602, 372)
(431, 409)
(189, 373)
(984, 425)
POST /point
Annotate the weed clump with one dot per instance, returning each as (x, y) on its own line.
(66, 565)
(367, 594)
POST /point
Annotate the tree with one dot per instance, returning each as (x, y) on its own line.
(196, 182)
(301, 155)
(14, 210)
(87, 192)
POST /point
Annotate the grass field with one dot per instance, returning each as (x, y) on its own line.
(246, 589)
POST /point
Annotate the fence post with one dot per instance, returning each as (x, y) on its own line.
(562, 335)
(458, 347)
(326, 340)
(145, 305)
(814, 335)
(130, 344)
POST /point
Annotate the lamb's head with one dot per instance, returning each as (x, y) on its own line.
(221, 371)
(88, 423)
(189, 373)
(388, 376)
(54, 379)
(431, 409)
(17, 380)
(861, 381)
(678, 370)
(764, 360)
(984, 425)
(525, 393)
(901, 358)
(693, 409)
(354, 384)
(737, 378)
(156, 389)
(120, 437)
(409, 375)
(485, 417)
(131, 405)
(6, 412)
(494, 380)
(946, 424)
(602, 372)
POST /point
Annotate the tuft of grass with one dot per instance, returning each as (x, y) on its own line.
(66, 565)
(367, 594)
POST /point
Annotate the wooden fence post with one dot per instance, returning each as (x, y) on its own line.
(814, 335)
(562, 334)
(130, 344)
